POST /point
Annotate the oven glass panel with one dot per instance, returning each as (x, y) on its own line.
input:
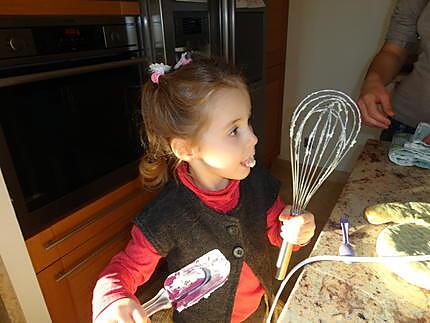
(191, 32)
(65, 133)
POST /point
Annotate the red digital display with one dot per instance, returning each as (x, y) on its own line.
(72, 31)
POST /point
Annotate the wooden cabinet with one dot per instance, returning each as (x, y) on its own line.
(277, 24)
(69, 255)
(69, 7)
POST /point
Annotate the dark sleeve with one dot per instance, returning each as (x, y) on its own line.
(403, 25)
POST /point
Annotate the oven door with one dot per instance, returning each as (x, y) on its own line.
(68, 136)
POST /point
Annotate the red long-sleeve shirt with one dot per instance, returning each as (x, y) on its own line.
(135, 265)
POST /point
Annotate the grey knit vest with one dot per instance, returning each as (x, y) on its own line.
(182, 228)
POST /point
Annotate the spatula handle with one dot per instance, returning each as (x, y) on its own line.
(157, 303)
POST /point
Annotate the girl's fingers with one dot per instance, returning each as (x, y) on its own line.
(308, 233)
(299, 220)
(299, 229)
(308, 217)
(285, 214)
(126, 319)
(139, 316)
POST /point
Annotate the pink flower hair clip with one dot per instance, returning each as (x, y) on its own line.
(184, 60)
(157, 70)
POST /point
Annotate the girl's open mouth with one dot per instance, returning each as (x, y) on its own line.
(250, 162)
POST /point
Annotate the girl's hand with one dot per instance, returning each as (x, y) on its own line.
(299, 229)
(124, 310)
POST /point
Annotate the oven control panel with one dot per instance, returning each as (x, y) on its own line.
(62, 36)
(16, 43)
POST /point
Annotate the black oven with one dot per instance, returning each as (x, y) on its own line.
(69, 113)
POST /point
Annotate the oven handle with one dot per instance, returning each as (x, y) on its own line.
(22, 79)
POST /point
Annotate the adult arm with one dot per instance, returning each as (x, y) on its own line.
(374, 100)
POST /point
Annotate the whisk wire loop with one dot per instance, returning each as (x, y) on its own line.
(324, 126)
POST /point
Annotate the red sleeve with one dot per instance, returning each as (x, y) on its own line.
(126, 271)
(274, 225)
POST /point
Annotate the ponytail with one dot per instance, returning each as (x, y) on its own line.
(156, 172)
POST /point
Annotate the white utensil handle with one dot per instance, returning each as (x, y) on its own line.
(157, 303)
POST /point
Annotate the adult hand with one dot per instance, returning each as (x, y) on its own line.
(124, 310)
(374, 103)
(298, 229)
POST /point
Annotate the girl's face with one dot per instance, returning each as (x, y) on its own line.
(226, 147)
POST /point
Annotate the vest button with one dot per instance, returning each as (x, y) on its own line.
(232, 230)
(238, 252)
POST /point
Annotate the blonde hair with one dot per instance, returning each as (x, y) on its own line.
(174, 108)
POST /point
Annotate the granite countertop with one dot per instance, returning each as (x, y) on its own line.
(339, 292)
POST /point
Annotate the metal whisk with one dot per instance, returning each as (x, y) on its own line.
(324, 126)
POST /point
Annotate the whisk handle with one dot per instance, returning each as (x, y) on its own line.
(283, 259)
(285, 252)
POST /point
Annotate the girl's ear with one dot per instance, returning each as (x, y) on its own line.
(182, 149)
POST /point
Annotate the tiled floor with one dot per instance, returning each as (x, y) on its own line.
(321, 205)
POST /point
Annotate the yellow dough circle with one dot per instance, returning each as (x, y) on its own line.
(407, 239)
(409, 212)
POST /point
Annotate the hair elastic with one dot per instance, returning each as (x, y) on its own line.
(158, 69)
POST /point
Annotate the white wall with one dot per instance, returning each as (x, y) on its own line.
(18, 264)
(330, 44)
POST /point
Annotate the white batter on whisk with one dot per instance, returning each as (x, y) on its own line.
(324, 126)
(332, 134)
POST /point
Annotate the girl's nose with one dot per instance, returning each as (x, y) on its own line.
(252, 137)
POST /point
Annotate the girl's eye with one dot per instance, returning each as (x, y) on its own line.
(233, 132)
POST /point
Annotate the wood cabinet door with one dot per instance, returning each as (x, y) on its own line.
(67, 284)
(102, 216)
(277, 25)
(69, 256)
(274, 102)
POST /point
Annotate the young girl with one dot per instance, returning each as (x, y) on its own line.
(201, 151)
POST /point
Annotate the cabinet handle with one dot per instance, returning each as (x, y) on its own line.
(121, 234)
(42, 76)
(53, 243)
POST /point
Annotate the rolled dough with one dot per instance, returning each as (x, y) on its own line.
(409, 237)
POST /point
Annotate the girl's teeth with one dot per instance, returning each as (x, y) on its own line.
(250, 162)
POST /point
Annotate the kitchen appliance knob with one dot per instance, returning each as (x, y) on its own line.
(16, 44)
(115, 36)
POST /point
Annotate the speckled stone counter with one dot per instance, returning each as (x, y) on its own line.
(10, 310)
(338, 292)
